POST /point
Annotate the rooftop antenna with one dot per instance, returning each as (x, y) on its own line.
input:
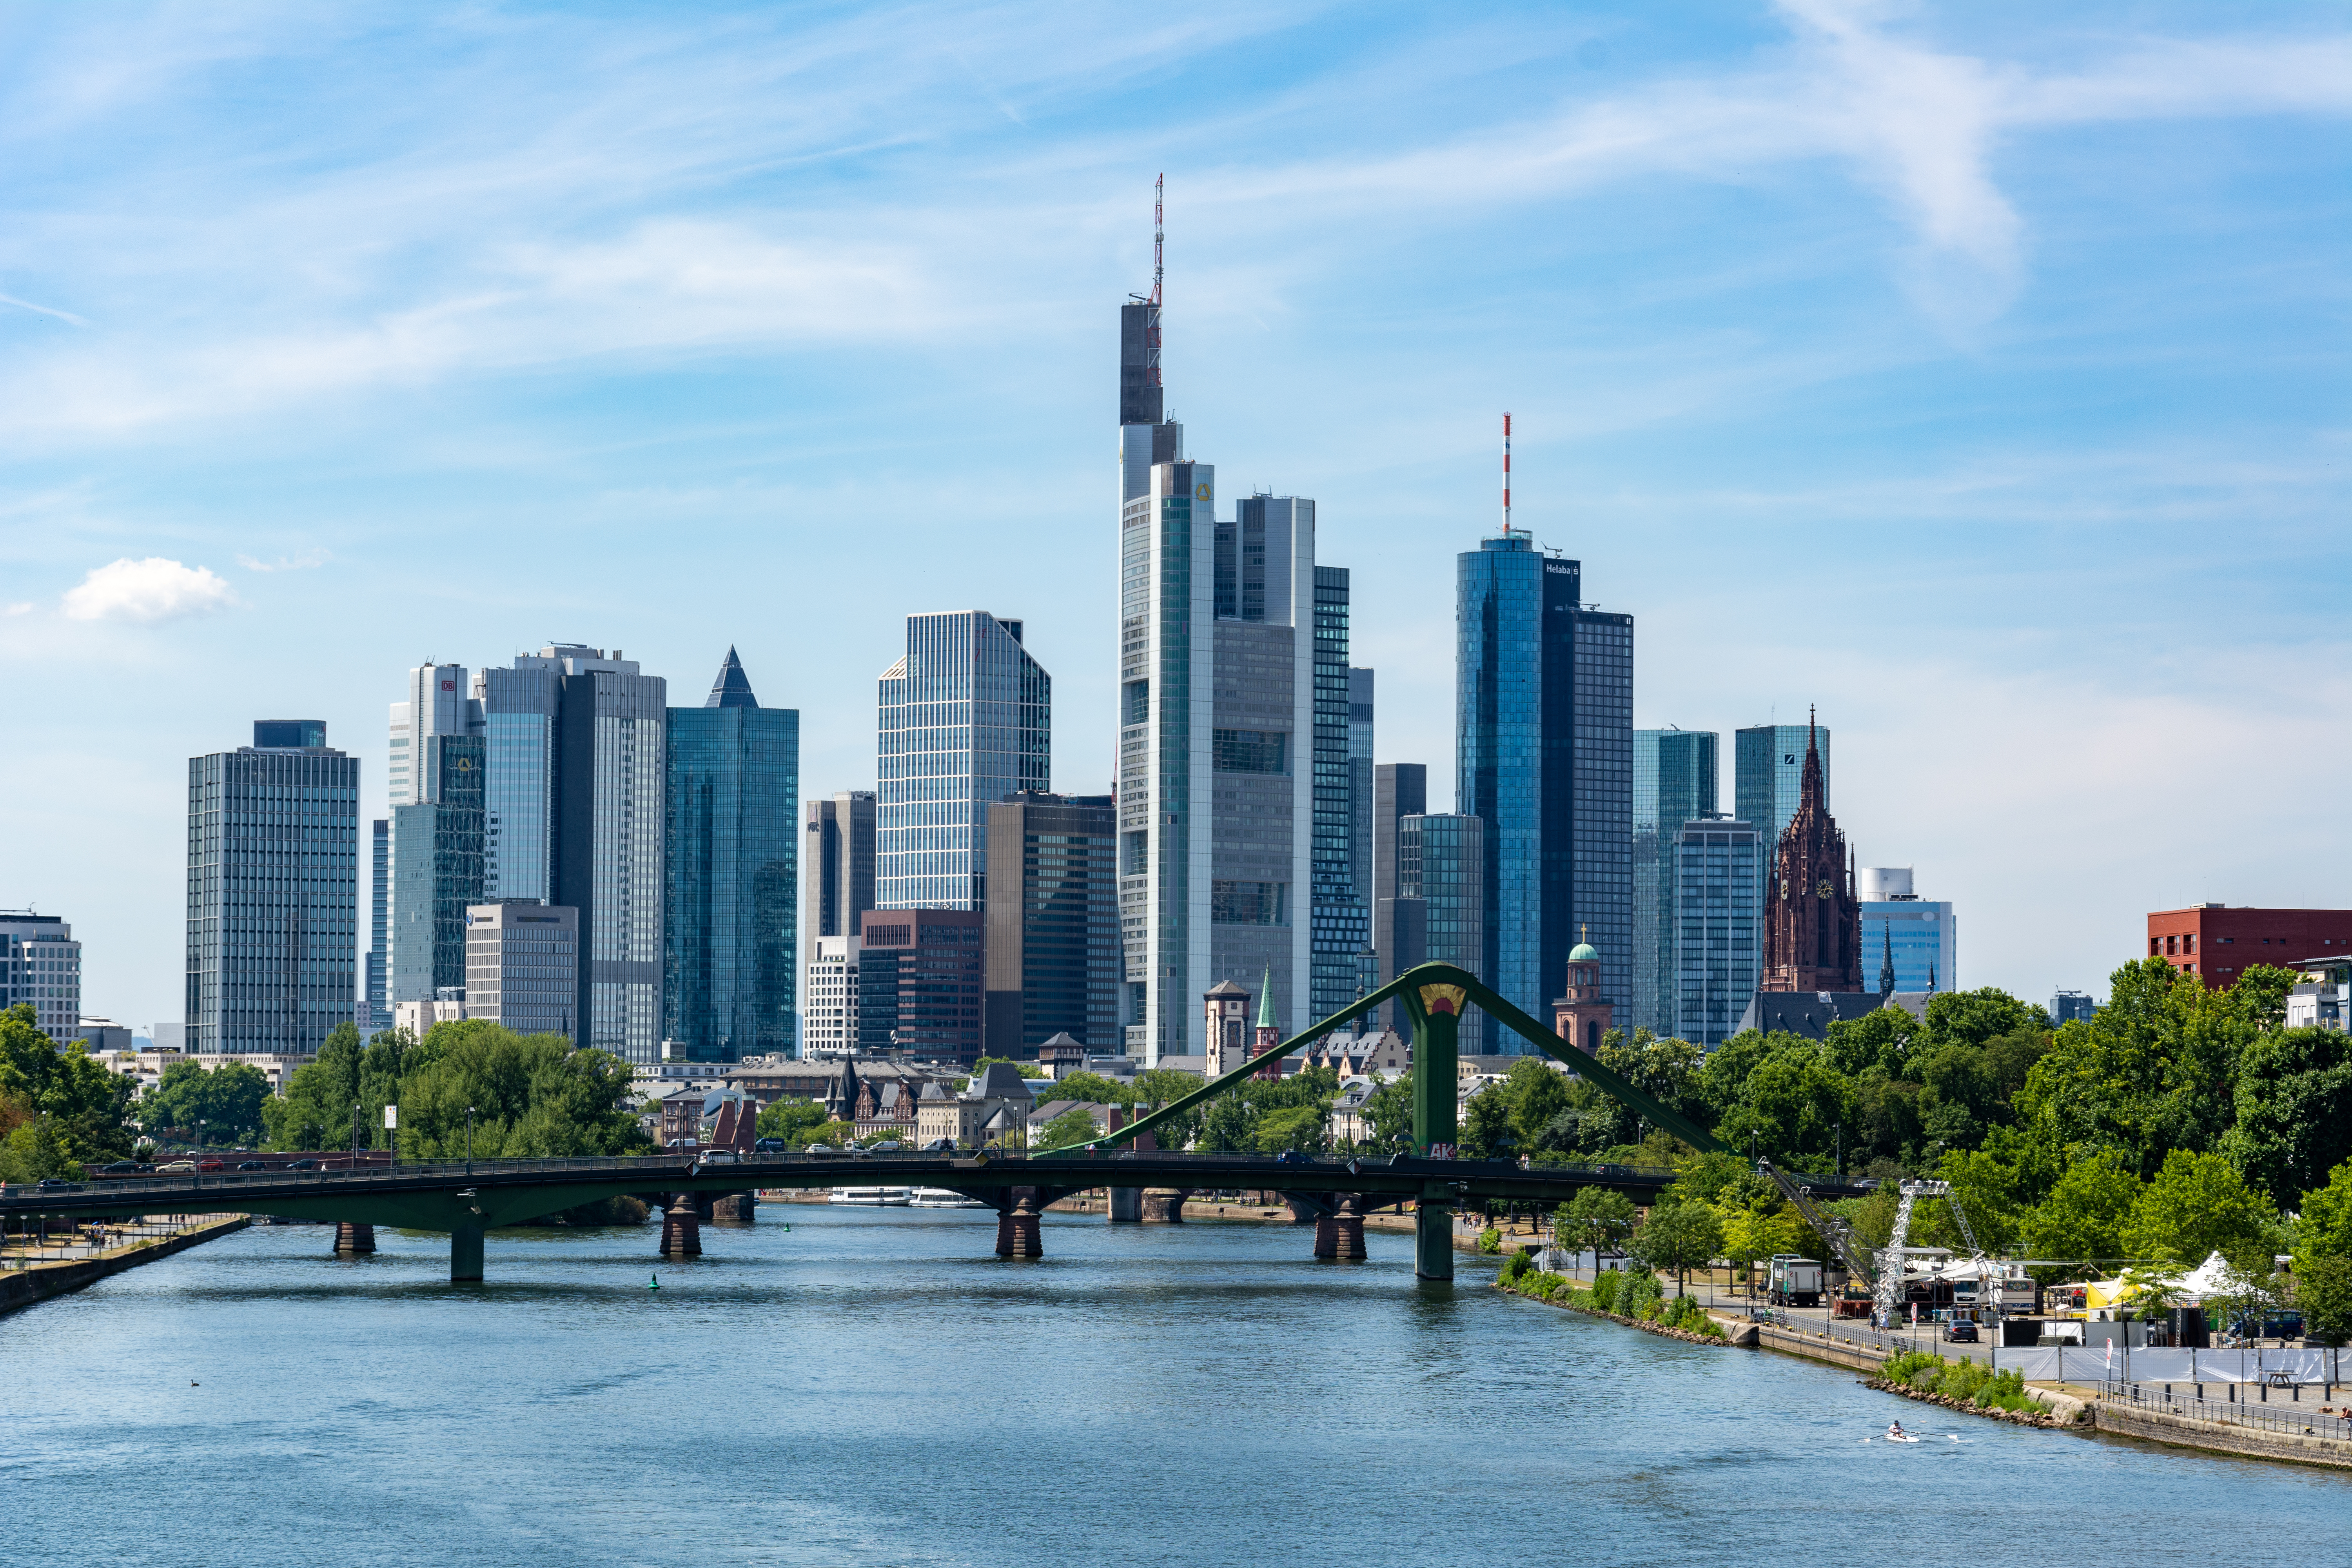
(1159, 272)
(1507, 476)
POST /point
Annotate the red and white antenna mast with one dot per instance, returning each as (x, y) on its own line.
(1507, 476)
(1158, 273)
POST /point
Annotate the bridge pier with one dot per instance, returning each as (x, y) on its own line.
(682, 1228)
(1126, 1205)
(705, 1206)
(465, 1254)
(354, 1240)
(1162, 1205)
(1433, 1233)
(1347, 1229)
(1018, 1232)
(738, 1205)
(1326, 1237)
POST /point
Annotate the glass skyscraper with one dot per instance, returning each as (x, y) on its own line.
(1719, 909)
(606, 846)
(1917, 938)
(1341, 916)
(731, 859)
(1544, 723)
(1442, 870)
(1675, 779)
(437, 868)
(273, 897)
(1052, 924)
(374, 1010)
(966, 719)
(519, 709)
(1769, 780)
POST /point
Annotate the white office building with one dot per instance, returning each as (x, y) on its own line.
(829, 1009)
(41, 966)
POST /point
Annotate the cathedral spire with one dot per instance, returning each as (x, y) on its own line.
(1887, 965)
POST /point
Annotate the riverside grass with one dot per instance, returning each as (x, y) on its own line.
(1961, 1382)
(1631, 1297)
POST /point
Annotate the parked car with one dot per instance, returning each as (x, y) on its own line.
(1960, 1332)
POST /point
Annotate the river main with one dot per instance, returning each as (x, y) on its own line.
(876, 1387)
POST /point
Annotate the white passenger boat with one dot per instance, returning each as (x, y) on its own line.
(944, 1198)
(873, 1197)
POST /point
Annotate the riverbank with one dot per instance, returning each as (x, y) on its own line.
(23, 1287)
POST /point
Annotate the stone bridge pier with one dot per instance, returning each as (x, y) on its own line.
(1019, 1233)
(682, 1228)
(354, 1240)
(1162, 1205)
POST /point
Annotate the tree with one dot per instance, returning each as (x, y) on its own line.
(89, 1103)
(1095, 1088)
(1750, 1235)
(1537, 1092)
(1074, 1125)
(1486, 1132)
(790, 1119)
(2196, 1206)
(1389, 1111)
(2325, 1228)
(1299, 1127)
(228, 1100)
(2323, 1290)
(1156, 1087)
(2085, 1212)
(2294, 1103)
(1595, 1220)
(1680, 1238)
(1792, 1105)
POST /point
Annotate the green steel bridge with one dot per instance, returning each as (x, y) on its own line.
(464, 1199)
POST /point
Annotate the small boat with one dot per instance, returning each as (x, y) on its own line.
(944, 1198)
(872, 1197)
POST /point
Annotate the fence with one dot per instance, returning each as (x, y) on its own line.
(2294, 1416)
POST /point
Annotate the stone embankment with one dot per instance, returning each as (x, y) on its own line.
(2220, 1435)
(23, 1287)
(2046, 1417)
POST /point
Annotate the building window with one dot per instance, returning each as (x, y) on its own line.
(1248, 750)
(2189, 942)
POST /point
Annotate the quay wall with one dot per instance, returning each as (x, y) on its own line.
(22, 1288)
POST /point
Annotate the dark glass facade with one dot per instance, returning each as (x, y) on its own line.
(1718, 928)
(1442, 873)
(374, 1011)
(1342, 918)
(921, 983)
(1544, 717)
(731, 859)
(1675, 774)
(1769, 781)
(1053, 964)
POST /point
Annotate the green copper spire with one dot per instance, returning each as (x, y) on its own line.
(1265, 1001)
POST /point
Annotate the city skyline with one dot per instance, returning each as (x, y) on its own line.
(2022, 551)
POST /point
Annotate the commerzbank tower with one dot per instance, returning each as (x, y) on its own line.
(1235, 806)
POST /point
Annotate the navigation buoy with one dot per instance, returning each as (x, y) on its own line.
(657, 1284)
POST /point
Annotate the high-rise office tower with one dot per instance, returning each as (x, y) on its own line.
(1360, 782)
(731, 960)
(433, 703)
(523, 967)
(519, 706)
(829, 1019)
(273, 893)
(1053, 964)
(836, 887)
(1441, 867)
(1217, 722)
(921, 983)
(437, 866)
(1812, 913)
(1908, 943)
(41, 968)
(1768, 778)
(966, 719)
(1399, 936)
(1544, 728)
(1718, 923)
(1674, 781)
(374, 1010)
(1341, 929)
(607, 844)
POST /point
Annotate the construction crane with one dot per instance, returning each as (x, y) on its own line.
(1833, 1230)
(1885, 1298)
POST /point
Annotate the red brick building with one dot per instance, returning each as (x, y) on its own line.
(2218, 944)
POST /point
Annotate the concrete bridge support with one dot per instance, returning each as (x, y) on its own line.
(1326, 1237)
(739, 1206)
(705, 1206)
(1018, 1231)
(682, 1228)
(1162, 1205)
(1433, 1233)
(354, 1240)
(1126, 1204)
(465, 1254)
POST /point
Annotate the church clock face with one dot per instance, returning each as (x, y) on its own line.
(1824, 889)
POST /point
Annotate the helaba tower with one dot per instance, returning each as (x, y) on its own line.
(1217, 746)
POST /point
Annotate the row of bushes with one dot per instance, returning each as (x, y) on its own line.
(1966, 1382)
(1632, 1294)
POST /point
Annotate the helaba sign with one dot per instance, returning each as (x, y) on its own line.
(1562, 567)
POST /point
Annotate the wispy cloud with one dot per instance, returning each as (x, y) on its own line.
(146, 592)
(301, 563)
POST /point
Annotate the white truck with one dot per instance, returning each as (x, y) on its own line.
(1794, 1282)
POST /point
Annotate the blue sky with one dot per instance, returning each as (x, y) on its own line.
(1977, 377)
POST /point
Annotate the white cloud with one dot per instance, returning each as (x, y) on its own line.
(24, 609)
(146, 592)
(304, 561)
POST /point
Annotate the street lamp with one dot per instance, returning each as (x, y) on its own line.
(470, 1140)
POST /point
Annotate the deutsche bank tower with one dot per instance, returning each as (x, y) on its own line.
(1544, 756)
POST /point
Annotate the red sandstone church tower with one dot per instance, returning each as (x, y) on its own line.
(1812, 916)
(1581, 1017)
